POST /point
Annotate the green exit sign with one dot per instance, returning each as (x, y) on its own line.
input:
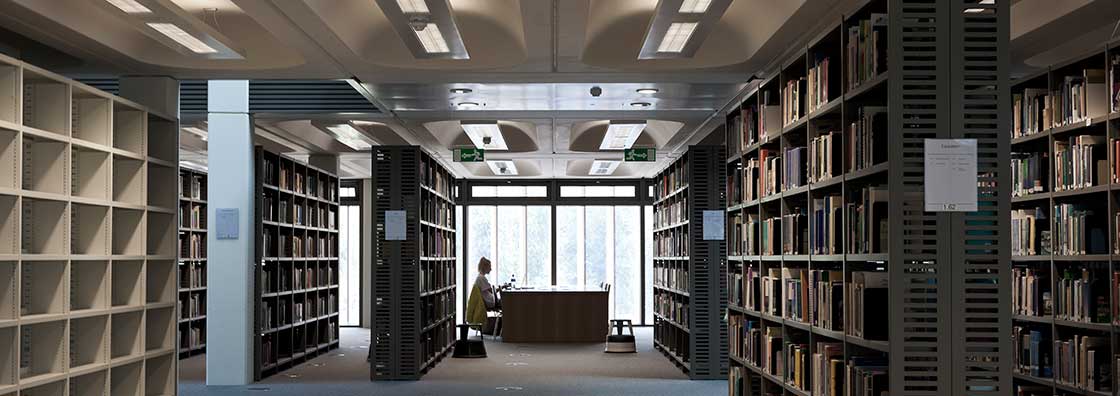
(470, 155)
(640, 155)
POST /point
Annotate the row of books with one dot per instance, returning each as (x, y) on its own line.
(817, 93)
(436, 178)
(797, 369)
(1084, 362)
(671, 212)
(1028, 173)
(193, 186)
(436, 307)
(1080, 296)
(743, 129)
(673, 179)
(1032, 351)
(743, 238)
(191, 337)
(769, 116)
(276, 279)
(742, 181)
(784, 235)
(1073, 232)
(191, 275)
(868, 138)
(437, 243)
(1030, 292)
(769, 172)
(296, 246)
(438, 212)
(793, 105)
(1031, 112)
(192, 215)
(828, 232)
(192, 306)
(740, 383)
(436, 275)
(671, 243)
(435, 341)
(672, 307)
(828, 369)
(671, 275)
(1029, 232)
(825, 156)
(866, 56)
(869, 232)
(1080, 97)
(1114, 83)
(1080, 162)
(1115, 147)
(192, 246)
(793, 172)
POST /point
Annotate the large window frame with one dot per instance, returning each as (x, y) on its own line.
(553, 199)
(355, 201)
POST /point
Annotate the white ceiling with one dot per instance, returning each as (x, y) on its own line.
(532, 64)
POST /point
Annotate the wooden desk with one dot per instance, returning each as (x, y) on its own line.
(555, 314)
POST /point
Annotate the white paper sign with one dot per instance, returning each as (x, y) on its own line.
(227, 225)
(950, 182)
(713, 225)
(395, 225)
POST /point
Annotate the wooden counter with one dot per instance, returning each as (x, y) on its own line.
(555, 314)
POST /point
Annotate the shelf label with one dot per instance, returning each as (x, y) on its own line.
(469, 155)
(713, 225)
(395, 229)
(950, 175)
(227, 225)
(640, 155)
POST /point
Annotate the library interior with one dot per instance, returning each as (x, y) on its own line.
(560, 197)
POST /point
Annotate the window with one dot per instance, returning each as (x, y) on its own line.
(598, 191)
(509, 191)
(347, 192)
(516, 239)
(509, 259)
(569, 245)
(350, 260)
(538, 229)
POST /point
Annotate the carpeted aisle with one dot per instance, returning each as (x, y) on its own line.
(525, 369)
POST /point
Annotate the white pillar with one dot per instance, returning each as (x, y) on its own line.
(229, 303)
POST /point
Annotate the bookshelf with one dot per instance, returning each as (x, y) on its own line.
(191, 290)
(85, 268)
(1066, 122)
(807, 218)
(297, 285)
(688, 271)
(415, 277)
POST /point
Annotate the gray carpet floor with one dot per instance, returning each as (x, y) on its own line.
(513, 369)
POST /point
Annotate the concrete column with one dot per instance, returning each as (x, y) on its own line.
(229, 301)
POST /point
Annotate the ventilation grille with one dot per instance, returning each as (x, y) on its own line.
(269, 96)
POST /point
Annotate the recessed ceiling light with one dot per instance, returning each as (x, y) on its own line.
(648, 90)
(621, 135)
(461, 90)
(413, 6)
(485, 134)
(695, 6)
(432, 40)
(502, 167)
(639, 104)
(183, 38)
(467, 105)
(603, 167)
(350, 136)
(676, 36)
(130, 6)
(201, 133)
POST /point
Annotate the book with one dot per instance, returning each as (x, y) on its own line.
(1032, 112)
(866, 50)
(868, 145)
(817, 93)
(1075, 233)
(793, 168)
(1029, 288)
(827, 228)
(1031, 352)
(1080, 162)
(1028, 173)
(825, 157)
(1026, 227)
(868, 212)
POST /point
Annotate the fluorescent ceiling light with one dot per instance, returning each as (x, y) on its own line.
(980, 10)
(468, 105)
(350, 136)
(130, 6)
(485, 135)
(183, 38)
(621, 135)
(461, 90)
(695, 6)
(502, 167)
(676, 37)
(432, 40)
(603, 167)
(413, 6)
(201, 133)
(648, 91)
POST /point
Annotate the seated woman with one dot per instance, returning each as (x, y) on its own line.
(489, 296)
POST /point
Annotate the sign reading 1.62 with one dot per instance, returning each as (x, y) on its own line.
(640, 155)
(469, 155)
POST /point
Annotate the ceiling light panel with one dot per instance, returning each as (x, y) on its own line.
(485, 135)
(351, 137)
(621, 135)
(679, 27)
(676, 37)
(502, 167)
(437, 37)
(130, 6)
(413, 6)
(432, 40)
(603, 167)
(695, 6)
(181, 36)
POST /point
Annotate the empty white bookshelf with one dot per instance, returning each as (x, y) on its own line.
(88, 233)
